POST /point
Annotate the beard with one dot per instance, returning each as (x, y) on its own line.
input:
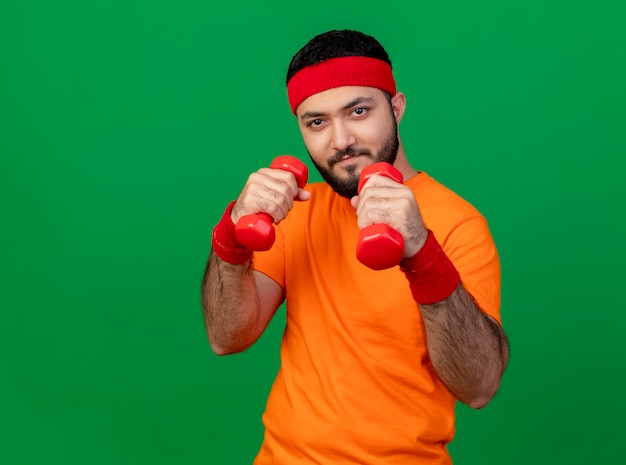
(349, 187)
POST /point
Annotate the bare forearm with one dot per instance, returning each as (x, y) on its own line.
(468, 349)
(231, 306)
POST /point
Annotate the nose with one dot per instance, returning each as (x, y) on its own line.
(342, 136)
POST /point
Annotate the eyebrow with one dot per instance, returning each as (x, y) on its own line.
(347, 106)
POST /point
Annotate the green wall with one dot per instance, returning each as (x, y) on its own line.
(126, 127)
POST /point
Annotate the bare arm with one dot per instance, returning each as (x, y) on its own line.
(468, 348)
(238, 304)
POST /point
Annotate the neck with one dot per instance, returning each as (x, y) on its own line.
(402, 164)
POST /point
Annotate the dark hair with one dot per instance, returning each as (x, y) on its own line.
(334, 44)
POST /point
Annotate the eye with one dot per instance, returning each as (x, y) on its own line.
(361, 111)
(315, 123)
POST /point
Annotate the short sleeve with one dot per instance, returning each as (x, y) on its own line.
(272, 262)
(471, 248)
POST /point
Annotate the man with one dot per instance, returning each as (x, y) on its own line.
(372, 362)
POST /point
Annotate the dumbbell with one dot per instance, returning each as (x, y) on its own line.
(256, 231)
(379, 246)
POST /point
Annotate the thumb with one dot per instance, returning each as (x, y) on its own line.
(303, 195)
(354, 201)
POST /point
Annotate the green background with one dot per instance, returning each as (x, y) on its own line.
(126, 127)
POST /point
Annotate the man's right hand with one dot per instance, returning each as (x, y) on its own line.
(270, 191)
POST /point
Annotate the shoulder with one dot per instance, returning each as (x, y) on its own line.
(440, 205)
(430, 191)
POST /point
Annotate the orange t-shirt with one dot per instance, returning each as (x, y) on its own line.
(356, 384)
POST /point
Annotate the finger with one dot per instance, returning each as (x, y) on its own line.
(380, 181)
(270, 191)
(303, 195)
(285, 179)
(261, 194)
(374, 215)
(383, 205)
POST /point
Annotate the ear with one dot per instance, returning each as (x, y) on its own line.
(398, 105)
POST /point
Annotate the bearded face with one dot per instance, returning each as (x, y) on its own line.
(346, 185)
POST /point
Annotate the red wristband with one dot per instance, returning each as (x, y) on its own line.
(225, 243)
(432, 276)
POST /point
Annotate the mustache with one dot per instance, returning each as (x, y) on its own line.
(347, 152)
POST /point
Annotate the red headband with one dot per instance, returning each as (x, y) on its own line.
(338, 72)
